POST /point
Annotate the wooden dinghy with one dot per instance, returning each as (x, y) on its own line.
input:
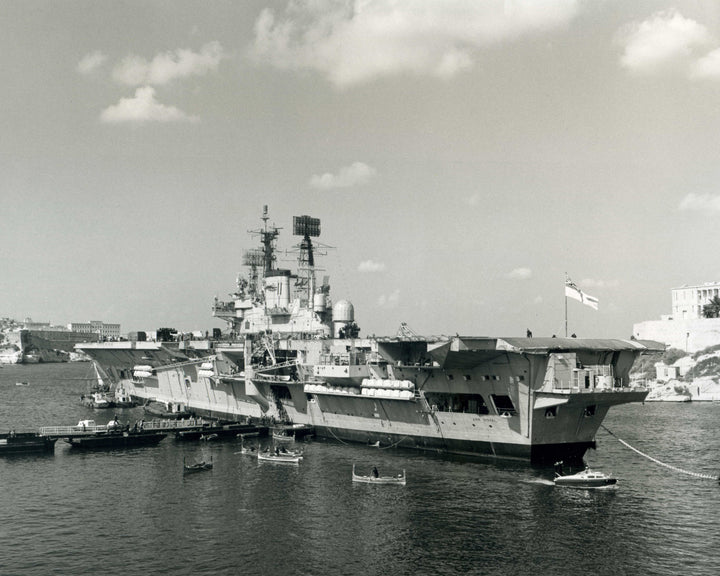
(375, 478)
(197, 467)
(282, 458)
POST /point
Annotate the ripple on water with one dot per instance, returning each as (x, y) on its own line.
(134, 511)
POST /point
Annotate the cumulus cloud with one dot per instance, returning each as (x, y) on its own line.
(91, 62)
(356, 174)
(168, 66)
(357, 41)
(701, 202)
(389, 301)
(143, 107)
(708, 66)
(371, 266)
(519, 274)
(667, 40)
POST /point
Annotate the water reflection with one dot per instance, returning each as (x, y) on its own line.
(133, 511)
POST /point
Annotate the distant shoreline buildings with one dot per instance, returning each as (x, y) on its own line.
(686, 328)
(91, 327)
(33, 342)
(96, 327)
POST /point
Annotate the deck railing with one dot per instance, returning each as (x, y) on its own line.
(73, 430)
(179, 424)
(597, 378)
(78, 430)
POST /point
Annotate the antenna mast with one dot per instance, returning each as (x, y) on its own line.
(262, 257)
(268, 237)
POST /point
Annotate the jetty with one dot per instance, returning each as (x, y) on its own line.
(183, 429)
(216, 430)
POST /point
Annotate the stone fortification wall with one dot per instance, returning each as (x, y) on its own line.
(689, 335)
(64, 341)
(45, 345)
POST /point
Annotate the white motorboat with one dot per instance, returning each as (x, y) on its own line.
(591, 479)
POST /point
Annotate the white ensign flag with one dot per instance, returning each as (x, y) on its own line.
(572, 291)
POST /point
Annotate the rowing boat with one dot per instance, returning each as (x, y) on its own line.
(284, 458)
(373, 479)
(197, 467)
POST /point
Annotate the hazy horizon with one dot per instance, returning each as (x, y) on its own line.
(462, 157)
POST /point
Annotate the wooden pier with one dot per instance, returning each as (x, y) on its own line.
(186, 427)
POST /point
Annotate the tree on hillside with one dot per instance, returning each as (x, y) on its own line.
(712, 308)
(672, 355)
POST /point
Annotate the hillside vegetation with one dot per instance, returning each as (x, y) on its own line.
(702, 364)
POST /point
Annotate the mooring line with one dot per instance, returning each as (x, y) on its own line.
(336, 438)
(380, 447)
(393, 445)
(675, 468)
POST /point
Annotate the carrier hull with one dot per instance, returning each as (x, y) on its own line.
(497, 398)
(292, 356)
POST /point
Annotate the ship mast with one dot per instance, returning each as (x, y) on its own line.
(262, 257)
(268, 237)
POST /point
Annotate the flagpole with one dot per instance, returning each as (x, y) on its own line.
(565, 292)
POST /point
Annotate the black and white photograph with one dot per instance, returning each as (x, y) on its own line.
(359, 287)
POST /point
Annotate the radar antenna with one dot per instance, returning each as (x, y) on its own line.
(268, 237)
(254, 259)
(307, 227)
(262, 257)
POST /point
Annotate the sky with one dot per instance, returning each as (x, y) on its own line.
(463, 157)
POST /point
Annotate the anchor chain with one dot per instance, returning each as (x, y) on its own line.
(671, 467)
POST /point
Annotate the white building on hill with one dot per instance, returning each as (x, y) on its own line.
(686, 328)
(96, 327)
(688, 301)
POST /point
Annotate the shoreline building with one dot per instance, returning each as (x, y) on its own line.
(686, 328)
(30, 342)
(104, 331)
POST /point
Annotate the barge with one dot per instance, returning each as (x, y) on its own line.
(14, 442)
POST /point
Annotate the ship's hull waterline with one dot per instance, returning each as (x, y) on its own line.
(500, 404)
(292, 355)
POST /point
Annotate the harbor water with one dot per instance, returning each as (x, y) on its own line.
(133, 511)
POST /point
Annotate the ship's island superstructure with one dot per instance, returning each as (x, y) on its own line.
(291, 355)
